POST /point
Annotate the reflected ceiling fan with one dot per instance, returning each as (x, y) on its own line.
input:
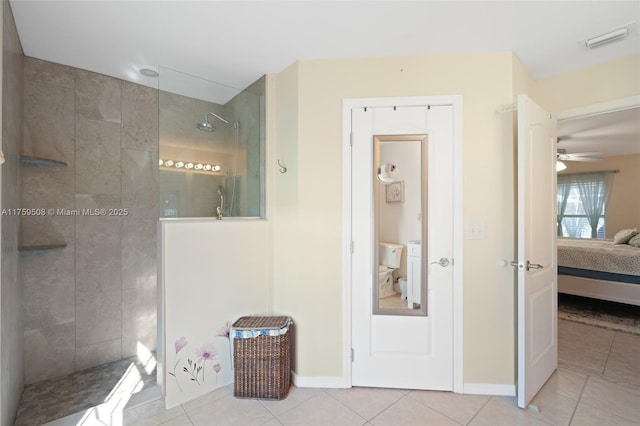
(562, 156)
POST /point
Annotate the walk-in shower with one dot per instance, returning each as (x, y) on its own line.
(216, 164)
(206, 126)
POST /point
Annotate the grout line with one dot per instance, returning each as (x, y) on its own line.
(408, 395)
(584, 386)
(75, 205)
(186, 413)
(481, 408)
(324, 390)
(604, 368)
(288, 409)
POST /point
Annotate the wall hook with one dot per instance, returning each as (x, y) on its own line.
(283, 169)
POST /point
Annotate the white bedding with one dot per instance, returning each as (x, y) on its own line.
(598, 255)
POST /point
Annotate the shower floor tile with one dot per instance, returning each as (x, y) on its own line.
(51, 399)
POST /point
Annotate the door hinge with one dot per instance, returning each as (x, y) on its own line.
(351, 246)
(351, 354)
(351, 139)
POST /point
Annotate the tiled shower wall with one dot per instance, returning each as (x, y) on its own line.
(11, 324)
(94, 300)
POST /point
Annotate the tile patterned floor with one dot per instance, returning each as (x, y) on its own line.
(597, 383)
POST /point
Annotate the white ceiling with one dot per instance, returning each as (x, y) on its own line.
(236, 42)
(605, 135)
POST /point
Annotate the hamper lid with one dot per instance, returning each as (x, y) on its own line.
(253, 326)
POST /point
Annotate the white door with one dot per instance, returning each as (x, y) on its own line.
(537, 267)
(400, 351)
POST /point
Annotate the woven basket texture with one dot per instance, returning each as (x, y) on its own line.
(262, 365)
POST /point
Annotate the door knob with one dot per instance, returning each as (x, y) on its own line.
(527, 266)
(533, 266)
(442, 262)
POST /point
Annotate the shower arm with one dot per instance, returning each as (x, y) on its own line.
(235, 124)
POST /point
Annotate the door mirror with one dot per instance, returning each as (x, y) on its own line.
(400, 168)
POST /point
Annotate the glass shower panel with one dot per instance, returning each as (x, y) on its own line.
(211, 148)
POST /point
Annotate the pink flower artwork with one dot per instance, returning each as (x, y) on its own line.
(206, 353)
(224, 330)
(217, 369)
(180, 343)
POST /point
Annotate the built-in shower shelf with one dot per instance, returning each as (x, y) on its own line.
(40, 162)
(41, 248)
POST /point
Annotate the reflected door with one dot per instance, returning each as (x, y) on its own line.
(403, 348)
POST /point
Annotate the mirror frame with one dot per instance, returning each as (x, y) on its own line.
(424, 193)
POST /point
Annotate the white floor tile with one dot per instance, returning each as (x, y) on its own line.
(584, 345)
(182, 420)
(586, 415)
(321, 410)
(612, 397)
(408, 411)
(554, 408)
(367, 402)
(208, 398)
(230, 411)
(496, 413)
(460, 408)
(161, 418)
(566, 383)
(624, 358)
(295, 397)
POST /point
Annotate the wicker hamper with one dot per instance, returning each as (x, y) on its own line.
(261, 357)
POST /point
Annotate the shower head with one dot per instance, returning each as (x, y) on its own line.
(205, 126)
(220, 190)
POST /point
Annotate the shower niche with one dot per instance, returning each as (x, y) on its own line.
(211, 148)
(40, 213)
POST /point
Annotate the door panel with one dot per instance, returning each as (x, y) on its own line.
(414, 352)
(537, 266)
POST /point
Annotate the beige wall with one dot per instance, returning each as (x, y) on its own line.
(308, 273)
(623, 207)
(307, 231)
(289, 286)
(599, 83)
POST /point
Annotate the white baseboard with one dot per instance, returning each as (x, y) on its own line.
(318, 381)
(489, 389)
